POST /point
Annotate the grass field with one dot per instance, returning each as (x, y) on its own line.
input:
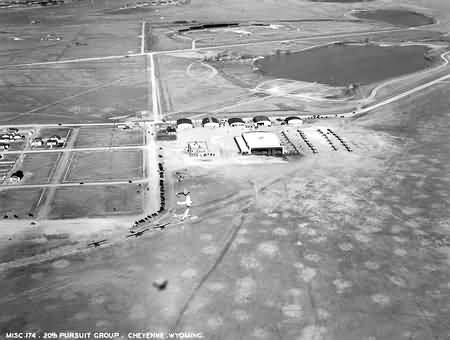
(80, 92)
(105, 136)
(18, 201)
(105, 166)
(96, 201)
(38, 167)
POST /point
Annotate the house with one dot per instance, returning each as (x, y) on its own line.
(18, 137)
(51, 142)
(37, 142)
(7, 136)
(13, 130)
(236, 122)
(262, 121)
(210, 122)
(4, 146)
(293, 121)
(184, 123)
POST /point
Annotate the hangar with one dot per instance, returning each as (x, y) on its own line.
(293, 120)
(236, 122)
(184, 123)
(262, 121)
(263, 143)
(210, 122)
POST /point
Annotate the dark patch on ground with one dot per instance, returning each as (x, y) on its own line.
(397, 17)
(344, 64)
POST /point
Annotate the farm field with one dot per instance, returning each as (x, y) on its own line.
(79, 201)
(104, 166)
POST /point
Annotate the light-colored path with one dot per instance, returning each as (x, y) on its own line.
(58, 175)
(56, 185)
(53, 150)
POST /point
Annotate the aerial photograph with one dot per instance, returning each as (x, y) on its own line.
(225, 169)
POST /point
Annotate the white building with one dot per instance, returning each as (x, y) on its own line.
(184, 123)
(263, 143)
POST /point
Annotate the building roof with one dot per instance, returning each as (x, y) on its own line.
(235, 120)
(292, 118)
(184, 121)
(261, 119)
(261, 139)
(209, 120)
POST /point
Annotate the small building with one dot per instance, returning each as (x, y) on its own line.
(166, 133)
(4, 146)
(210, 122)
(293, 121)
(236, 122)
(13, 130)
(184, 123)
(51, 142)
(37, 142)
(263, 143)
(18, 137)
(262, 121)
(7, 136)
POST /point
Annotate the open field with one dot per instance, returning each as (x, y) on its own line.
(328, 246)
(20, 202)
(93, 201)
(104, 166)
(104, 137)
(39, 167)
(89, 92)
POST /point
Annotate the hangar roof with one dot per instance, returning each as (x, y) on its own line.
(184, 121)
(261, 139)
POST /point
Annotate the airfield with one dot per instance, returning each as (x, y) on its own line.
(314, 245)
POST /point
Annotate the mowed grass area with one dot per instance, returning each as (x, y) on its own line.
(106, 136)
(73, 92)
(107, 200)
(105, 166)
(38, 167)
(18, 201)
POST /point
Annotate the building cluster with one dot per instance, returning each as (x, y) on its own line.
(50, 142)
(154, 3)
(12, 135)
(250, 123)
(199, 149)
(28, 3)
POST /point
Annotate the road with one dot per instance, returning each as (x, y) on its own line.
(312, 37)
(71, 184)
(102, 148)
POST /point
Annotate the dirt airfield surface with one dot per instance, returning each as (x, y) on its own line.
(329, 246)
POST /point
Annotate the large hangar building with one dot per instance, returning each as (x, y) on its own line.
(262, 143)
